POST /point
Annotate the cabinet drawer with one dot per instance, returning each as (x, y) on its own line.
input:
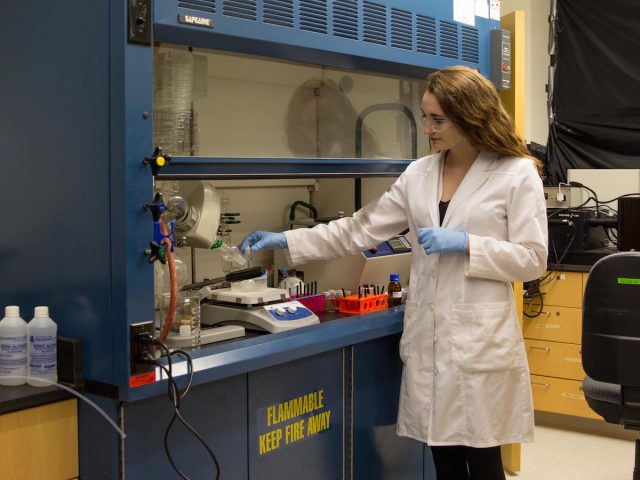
(558, 324)
(563, 289)
(40, 442)
(562, 360)
(560, 396)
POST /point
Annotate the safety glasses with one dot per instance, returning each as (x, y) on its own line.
(435, 123)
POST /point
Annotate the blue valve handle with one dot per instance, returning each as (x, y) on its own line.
(158, 236)
(157, 208)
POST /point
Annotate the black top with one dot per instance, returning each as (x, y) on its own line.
(443, 210)
(25, 396)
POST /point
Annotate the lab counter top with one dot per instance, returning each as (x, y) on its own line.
(25, 396)
(579, 261)
(218, 361)
(561, 267)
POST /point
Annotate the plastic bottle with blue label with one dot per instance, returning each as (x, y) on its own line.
(13, 347)
(42, 336)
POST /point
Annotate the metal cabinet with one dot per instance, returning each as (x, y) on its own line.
(552, 340)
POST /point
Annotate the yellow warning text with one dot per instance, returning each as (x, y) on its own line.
(270, 441)
(291, 421)
(294, 432)
(281, 412)
(318, 423)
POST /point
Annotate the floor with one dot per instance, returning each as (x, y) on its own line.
(565, 455)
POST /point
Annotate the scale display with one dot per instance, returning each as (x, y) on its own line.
(399, 244)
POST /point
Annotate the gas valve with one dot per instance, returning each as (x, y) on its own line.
(156, 252)
(157, 160)
(158, 246)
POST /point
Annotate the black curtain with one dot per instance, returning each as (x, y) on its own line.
(596, 87)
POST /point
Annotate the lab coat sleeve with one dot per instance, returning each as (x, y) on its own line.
(377, 221)
(524, 256)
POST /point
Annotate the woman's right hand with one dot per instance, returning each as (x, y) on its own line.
(261, 239)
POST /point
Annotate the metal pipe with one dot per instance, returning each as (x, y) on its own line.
(376, 108)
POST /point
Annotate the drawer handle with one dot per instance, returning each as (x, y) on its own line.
(544, 349)
(540, 384)
(548, 314)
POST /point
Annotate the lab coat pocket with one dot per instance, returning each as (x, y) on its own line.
(409, 329)
(485, 337)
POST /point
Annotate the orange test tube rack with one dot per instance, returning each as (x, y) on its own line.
(370, 303)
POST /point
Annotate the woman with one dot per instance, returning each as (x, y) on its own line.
(478, 211)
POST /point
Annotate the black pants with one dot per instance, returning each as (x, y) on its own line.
(467, 463)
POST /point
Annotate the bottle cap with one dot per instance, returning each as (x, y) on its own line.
(41, 312)
(395, 277)
(12, 311)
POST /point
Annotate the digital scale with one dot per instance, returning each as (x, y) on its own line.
(268, 309)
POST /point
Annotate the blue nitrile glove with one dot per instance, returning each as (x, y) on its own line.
(438, 239)
(260, 239)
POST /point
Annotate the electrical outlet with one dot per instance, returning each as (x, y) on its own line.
(140, 349)
(562, 196)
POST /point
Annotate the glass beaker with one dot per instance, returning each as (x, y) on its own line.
(186, 322)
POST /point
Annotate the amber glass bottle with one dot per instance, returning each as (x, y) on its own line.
(394, 295)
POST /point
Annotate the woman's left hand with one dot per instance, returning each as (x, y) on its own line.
(439, 239)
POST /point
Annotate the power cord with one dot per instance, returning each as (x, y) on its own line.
(175, 395)
(559, 260)
(593, 193)
(532, 291)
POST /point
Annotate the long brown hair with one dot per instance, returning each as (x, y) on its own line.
(472, 103)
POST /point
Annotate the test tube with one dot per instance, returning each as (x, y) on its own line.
(336, 300)
(248, 256)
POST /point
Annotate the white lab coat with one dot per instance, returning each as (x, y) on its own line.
(465, 379)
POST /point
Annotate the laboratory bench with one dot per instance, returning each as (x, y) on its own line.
(317, 402)
(258, 350)
(20, 397)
